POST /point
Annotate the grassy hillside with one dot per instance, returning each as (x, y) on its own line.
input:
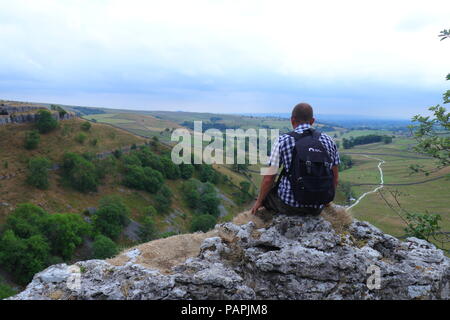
(143, 125)
(14, 158)
(417, 192)
(61, 198)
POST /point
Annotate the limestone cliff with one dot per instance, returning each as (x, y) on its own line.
(22, 114)
(284, 258)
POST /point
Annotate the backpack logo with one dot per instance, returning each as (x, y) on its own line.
(314, 150)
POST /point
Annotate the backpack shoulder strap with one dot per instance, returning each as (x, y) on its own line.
(297, 135)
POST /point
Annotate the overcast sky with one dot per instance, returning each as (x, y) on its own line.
(379, 58)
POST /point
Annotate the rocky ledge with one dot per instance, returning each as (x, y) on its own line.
(288, 258)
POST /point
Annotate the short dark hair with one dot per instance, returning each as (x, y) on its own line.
(302, 112)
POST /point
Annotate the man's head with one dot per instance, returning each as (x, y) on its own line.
(302, 113)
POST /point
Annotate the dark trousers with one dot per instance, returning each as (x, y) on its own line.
(273, 203)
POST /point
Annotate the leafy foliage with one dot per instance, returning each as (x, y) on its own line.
(191, 193)
(45, 122)
(203, 223)
(32, 139)
(171, 171)
(86, 126)
(370, 138)
(141, 178)
(147, 231)
(422, 225)
(103, 247)
(6, 291)
(81, 137)
(33, 239)
(111, 217)
(80, 172)
(346, 162)
(38, 172)
(186, 170)
(65, 233)
(432, 134)
(163, 199)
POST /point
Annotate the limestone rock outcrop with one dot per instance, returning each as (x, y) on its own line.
(290, 258)
(22, 114)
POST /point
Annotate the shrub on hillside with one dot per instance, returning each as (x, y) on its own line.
(32, 139)
(191, 194)
(150, 159)
(150, 211)
(45, 122)
(103, 247)
(38, 172)
(207, 173)
(171, 170)
(111, 217)
(33, 239)
(147, 231)
(204, 222)
(80, 172)
(86, 126)
(186, 170)
(163, 199)
(143, 178)
(346, 162)
(65, 232)
(81, 137)
(6, 291)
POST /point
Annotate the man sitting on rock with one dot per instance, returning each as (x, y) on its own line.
(309, 177)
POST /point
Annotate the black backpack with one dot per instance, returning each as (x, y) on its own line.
(310, 172)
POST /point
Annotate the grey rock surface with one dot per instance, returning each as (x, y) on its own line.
(293, 258)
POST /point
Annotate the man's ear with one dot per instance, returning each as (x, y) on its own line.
(312, 121)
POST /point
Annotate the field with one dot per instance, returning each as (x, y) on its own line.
(417, 191)
(142, 125)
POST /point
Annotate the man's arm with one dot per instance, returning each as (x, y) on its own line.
(335, 176)
(266, 186)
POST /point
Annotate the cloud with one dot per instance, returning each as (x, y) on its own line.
(230, 55)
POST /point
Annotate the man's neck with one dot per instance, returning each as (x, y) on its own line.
(303, 125)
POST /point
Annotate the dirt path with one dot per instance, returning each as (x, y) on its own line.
(380, 186)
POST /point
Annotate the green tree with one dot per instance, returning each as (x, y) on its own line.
(6, 291)
(163, 199)
(207, 173)
(23, 257)
(65, 233)
(32, 139)
(141, 178)
(186, 170)
(150, 211)
(45, 121)
(432, 134)
(81, 137)
(147, 231)
(191, 193)
(86, 126)
(111, 217)
(209, 203)
(103, 247)
(204, 222)
(346, 162)
(38, 172)
(80, 173)
(170, 169)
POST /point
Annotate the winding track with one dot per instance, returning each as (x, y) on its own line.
(380, 186)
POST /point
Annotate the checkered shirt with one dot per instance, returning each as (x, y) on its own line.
(282, 155)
